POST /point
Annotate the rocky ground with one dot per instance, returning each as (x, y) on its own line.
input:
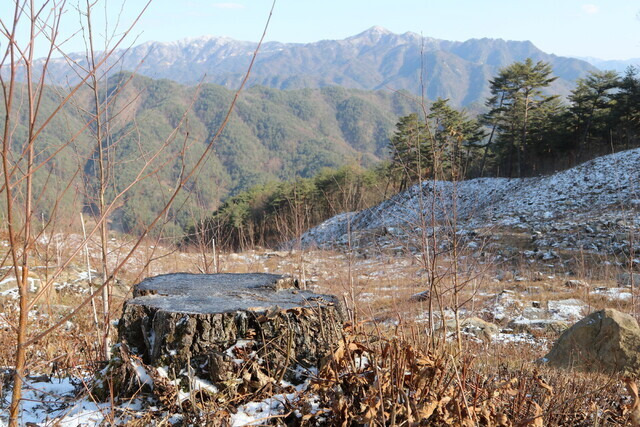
(591, 209)
(508, 310)
(533, 256)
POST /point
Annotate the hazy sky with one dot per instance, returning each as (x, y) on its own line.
(607, 29)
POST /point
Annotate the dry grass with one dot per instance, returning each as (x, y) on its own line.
(403, 383)
(408, 379)
(373, 379)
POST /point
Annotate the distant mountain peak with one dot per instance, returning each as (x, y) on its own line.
(195, 41)
(374, 33)
(377, 29)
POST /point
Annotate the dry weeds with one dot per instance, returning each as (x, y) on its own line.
(386, 372)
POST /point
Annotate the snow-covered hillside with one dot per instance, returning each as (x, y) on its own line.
(591, 206)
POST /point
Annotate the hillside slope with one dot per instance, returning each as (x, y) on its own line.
(594, 206)
(272, 135)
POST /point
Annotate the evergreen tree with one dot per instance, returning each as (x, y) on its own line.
(591, 103)
(548, 136)
(517, 97)
(456, 138)
(411, 157)
(626, 111)
(495, 103)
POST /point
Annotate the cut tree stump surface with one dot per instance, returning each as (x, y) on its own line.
(230, 328)
(221, 293)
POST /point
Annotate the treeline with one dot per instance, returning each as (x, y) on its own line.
(269, 214)
(525, 131)
(535, 132)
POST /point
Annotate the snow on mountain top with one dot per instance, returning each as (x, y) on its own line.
(608, 183)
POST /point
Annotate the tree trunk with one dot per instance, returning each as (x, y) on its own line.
(522, 152)
(194, 323)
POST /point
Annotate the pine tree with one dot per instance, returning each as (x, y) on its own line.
(517, 95)
(591, 103)
(626, 111)
(410, 148)
(456, 138)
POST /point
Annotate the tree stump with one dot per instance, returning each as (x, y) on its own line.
(234, 330)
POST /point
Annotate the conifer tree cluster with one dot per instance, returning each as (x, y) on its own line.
(526, 130)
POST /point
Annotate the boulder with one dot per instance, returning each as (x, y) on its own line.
(479, 327)
(420, 296)
(474, 326)
(604, 341)
(576, 284)
(627, 280)
(230, 330)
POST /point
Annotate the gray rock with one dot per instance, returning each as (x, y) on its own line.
(606, 340)
(627, 279)
(420, 296)
(576, 284)
(473, 326)
(479, 327)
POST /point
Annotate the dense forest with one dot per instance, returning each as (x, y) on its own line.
(525, 131)
(273, 135)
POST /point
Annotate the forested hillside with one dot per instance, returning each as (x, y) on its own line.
(272, 135)
(276, 135)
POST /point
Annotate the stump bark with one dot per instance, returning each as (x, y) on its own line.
(234, 330)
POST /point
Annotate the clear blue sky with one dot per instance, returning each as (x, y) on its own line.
(607, 29)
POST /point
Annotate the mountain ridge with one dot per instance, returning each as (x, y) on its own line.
(618, 65)
(374, 59)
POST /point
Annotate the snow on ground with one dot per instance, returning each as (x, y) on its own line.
(57, 402)
(599, 199)
(53, 403)
(259, 413)
(606, 189)
(614, 293)
(568, 309)
(521, 338)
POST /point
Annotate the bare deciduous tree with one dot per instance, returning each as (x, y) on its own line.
(27, 157)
